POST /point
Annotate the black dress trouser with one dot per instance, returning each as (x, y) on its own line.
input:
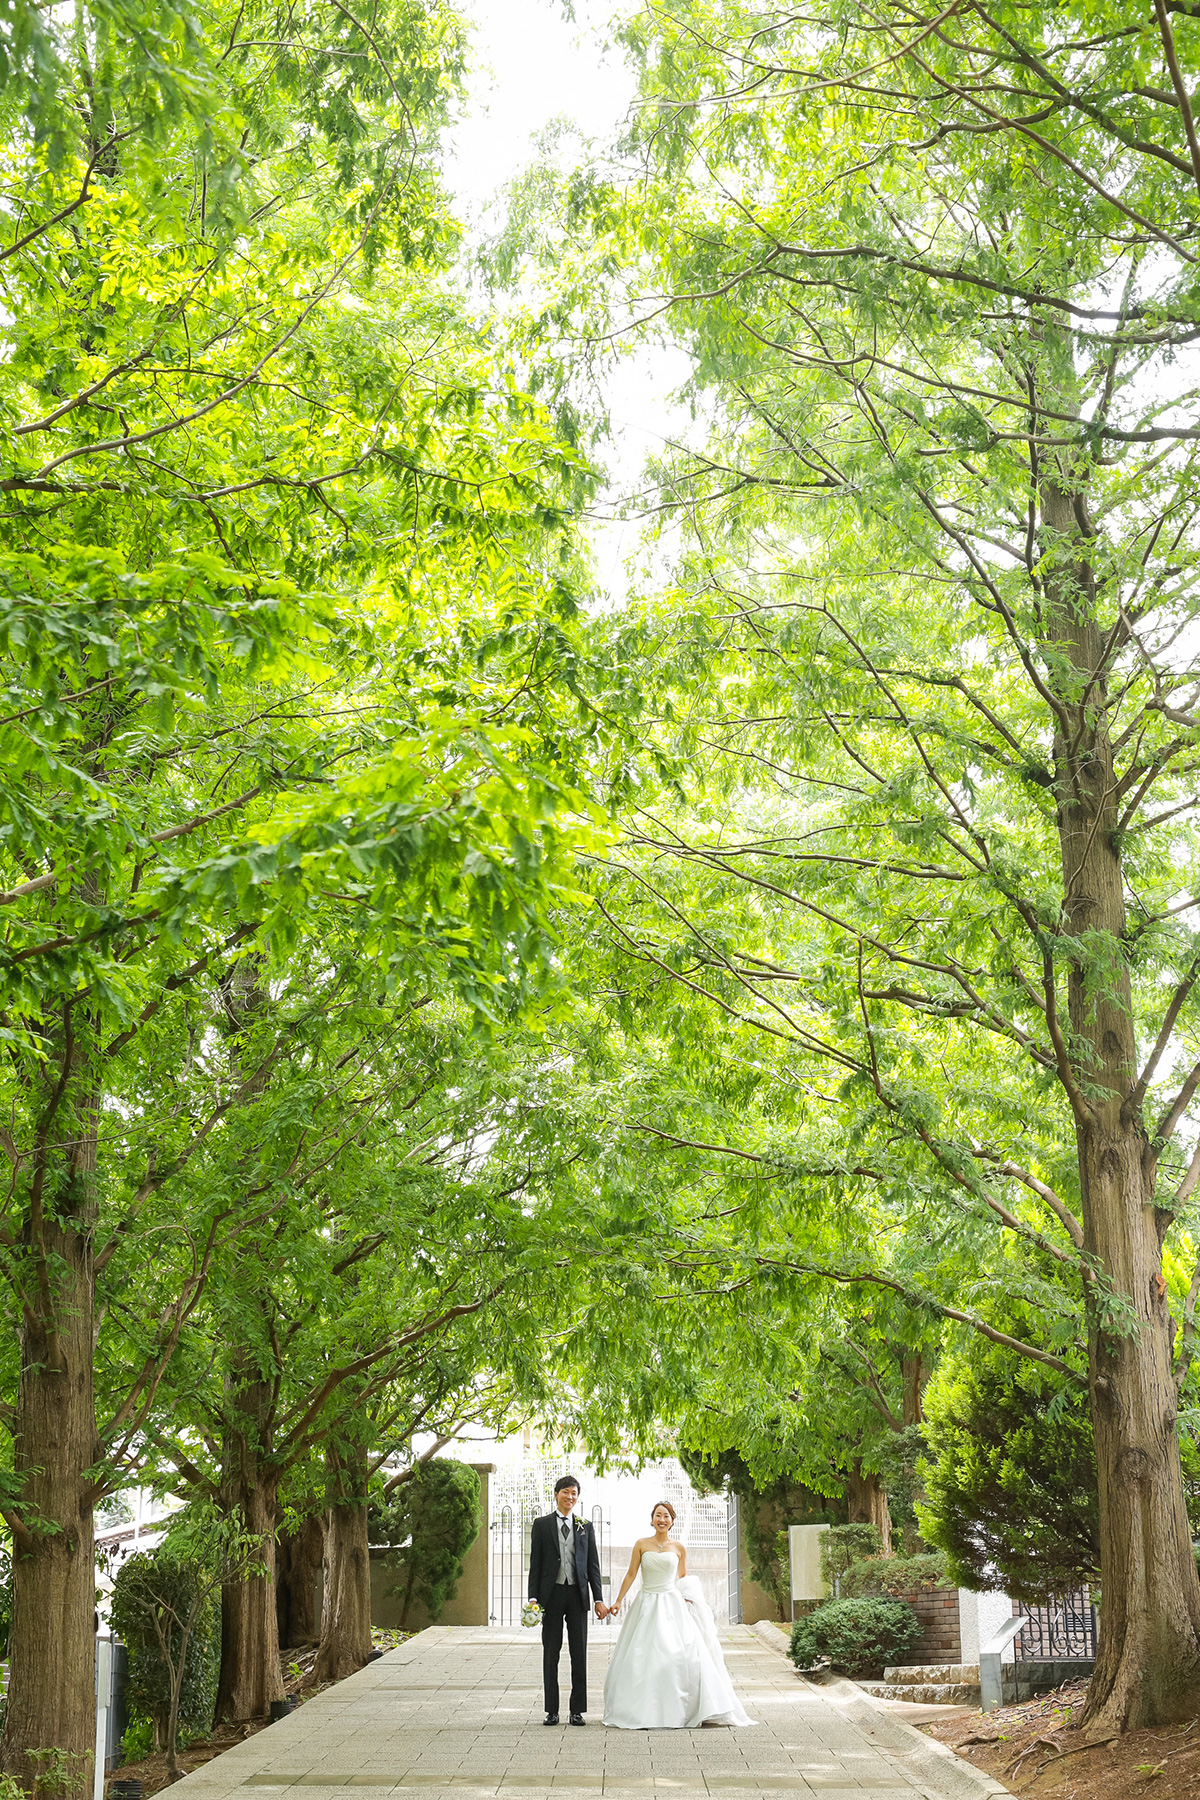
(565, 1603)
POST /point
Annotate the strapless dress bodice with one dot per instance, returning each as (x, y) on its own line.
(660, 1570)
(666, 1670)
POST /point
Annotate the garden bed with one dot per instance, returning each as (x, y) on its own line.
(1032, 1749)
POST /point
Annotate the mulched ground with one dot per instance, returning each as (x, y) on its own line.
(297, 1667)
(1032, 1749)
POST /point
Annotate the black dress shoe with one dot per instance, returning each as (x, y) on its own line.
(576, 1719)
(551, 1719)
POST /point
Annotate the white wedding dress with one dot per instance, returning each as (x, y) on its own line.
(667, 1668)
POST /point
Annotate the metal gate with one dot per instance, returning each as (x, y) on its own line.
(734, 1552)
(510, 1559)
(510, 1528)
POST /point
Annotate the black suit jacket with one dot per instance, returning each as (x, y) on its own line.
(544, 1563)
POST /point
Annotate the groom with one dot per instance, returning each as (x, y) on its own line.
(563, 1565)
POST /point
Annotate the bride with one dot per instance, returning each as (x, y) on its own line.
(667, 1668)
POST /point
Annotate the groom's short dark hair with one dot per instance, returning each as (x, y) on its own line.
(565, 1481)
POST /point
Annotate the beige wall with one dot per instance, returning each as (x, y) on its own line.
(471, 1603)
(756, 1602)
(804, 1553)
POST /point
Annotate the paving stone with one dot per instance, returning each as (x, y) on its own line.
(460, 1711)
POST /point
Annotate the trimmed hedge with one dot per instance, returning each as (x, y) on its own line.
(895, 1575)
(855, 1636)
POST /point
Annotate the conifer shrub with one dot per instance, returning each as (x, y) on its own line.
(429, 1525)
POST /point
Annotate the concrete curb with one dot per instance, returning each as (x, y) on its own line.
(942, 1771)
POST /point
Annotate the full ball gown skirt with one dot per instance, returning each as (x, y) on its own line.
(667, 1669)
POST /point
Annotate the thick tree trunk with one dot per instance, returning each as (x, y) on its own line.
(346, 1606)
(250, 1675)
(1148, 1662)
(866, 1504)
(298, 1556)
(51, 1687)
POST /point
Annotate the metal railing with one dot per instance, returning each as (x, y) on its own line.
(603, 1548)
(733, 1552)
(1063, 1630)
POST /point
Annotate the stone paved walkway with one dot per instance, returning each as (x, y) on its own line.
(461, 1709)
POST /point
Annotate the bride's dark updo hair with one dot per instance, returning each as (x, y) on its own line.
(656, 1506)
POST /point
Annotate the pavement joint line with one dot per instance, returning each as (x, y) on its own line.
(462, 1714)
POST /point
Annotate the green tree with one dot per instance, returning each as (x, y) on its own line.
(933, 613)
(766, 1512)
(164, 1607)
(1011, 1476)
(431, 1523)
(287, 627)
(841, 1547)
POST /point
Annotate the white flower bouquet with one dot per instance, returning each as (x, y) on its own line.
(531, 1614)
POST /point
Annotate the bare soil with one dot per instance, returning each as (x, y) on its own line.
(1033, 1749)
(296, 1665)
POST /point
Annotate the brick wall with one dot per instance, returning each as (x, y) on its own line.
(939, 1641)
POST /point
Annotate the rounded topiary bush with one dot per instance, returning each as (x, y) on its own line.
(856, 1636)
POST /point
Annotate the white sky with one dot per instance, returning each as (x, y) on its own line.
(531, 64)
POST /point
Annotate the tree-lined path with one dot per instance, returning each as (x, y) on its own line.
(747, 1011)
(460, 1709)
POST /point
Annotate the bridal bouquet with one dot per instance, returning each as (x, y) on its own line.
(531, 1613)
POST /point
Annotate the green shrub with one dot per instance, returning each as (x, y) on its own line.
(437, 1511)
(842, 1545)
(856, 1636)
(895, 1575)
(163, 1584)
(138, 1739)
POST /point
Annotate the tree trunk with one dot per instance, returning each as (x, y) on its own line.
(51, 1687)
(346, 1606)
(250, 1675)
(298, 1557)
(1148, 1663)
(866, 1504)
(913, 1376)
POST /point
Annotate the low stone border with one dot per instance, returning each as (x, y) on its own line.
(933, 1763)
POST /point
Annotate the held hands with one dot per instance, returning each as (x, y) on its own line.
(603, 1611)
